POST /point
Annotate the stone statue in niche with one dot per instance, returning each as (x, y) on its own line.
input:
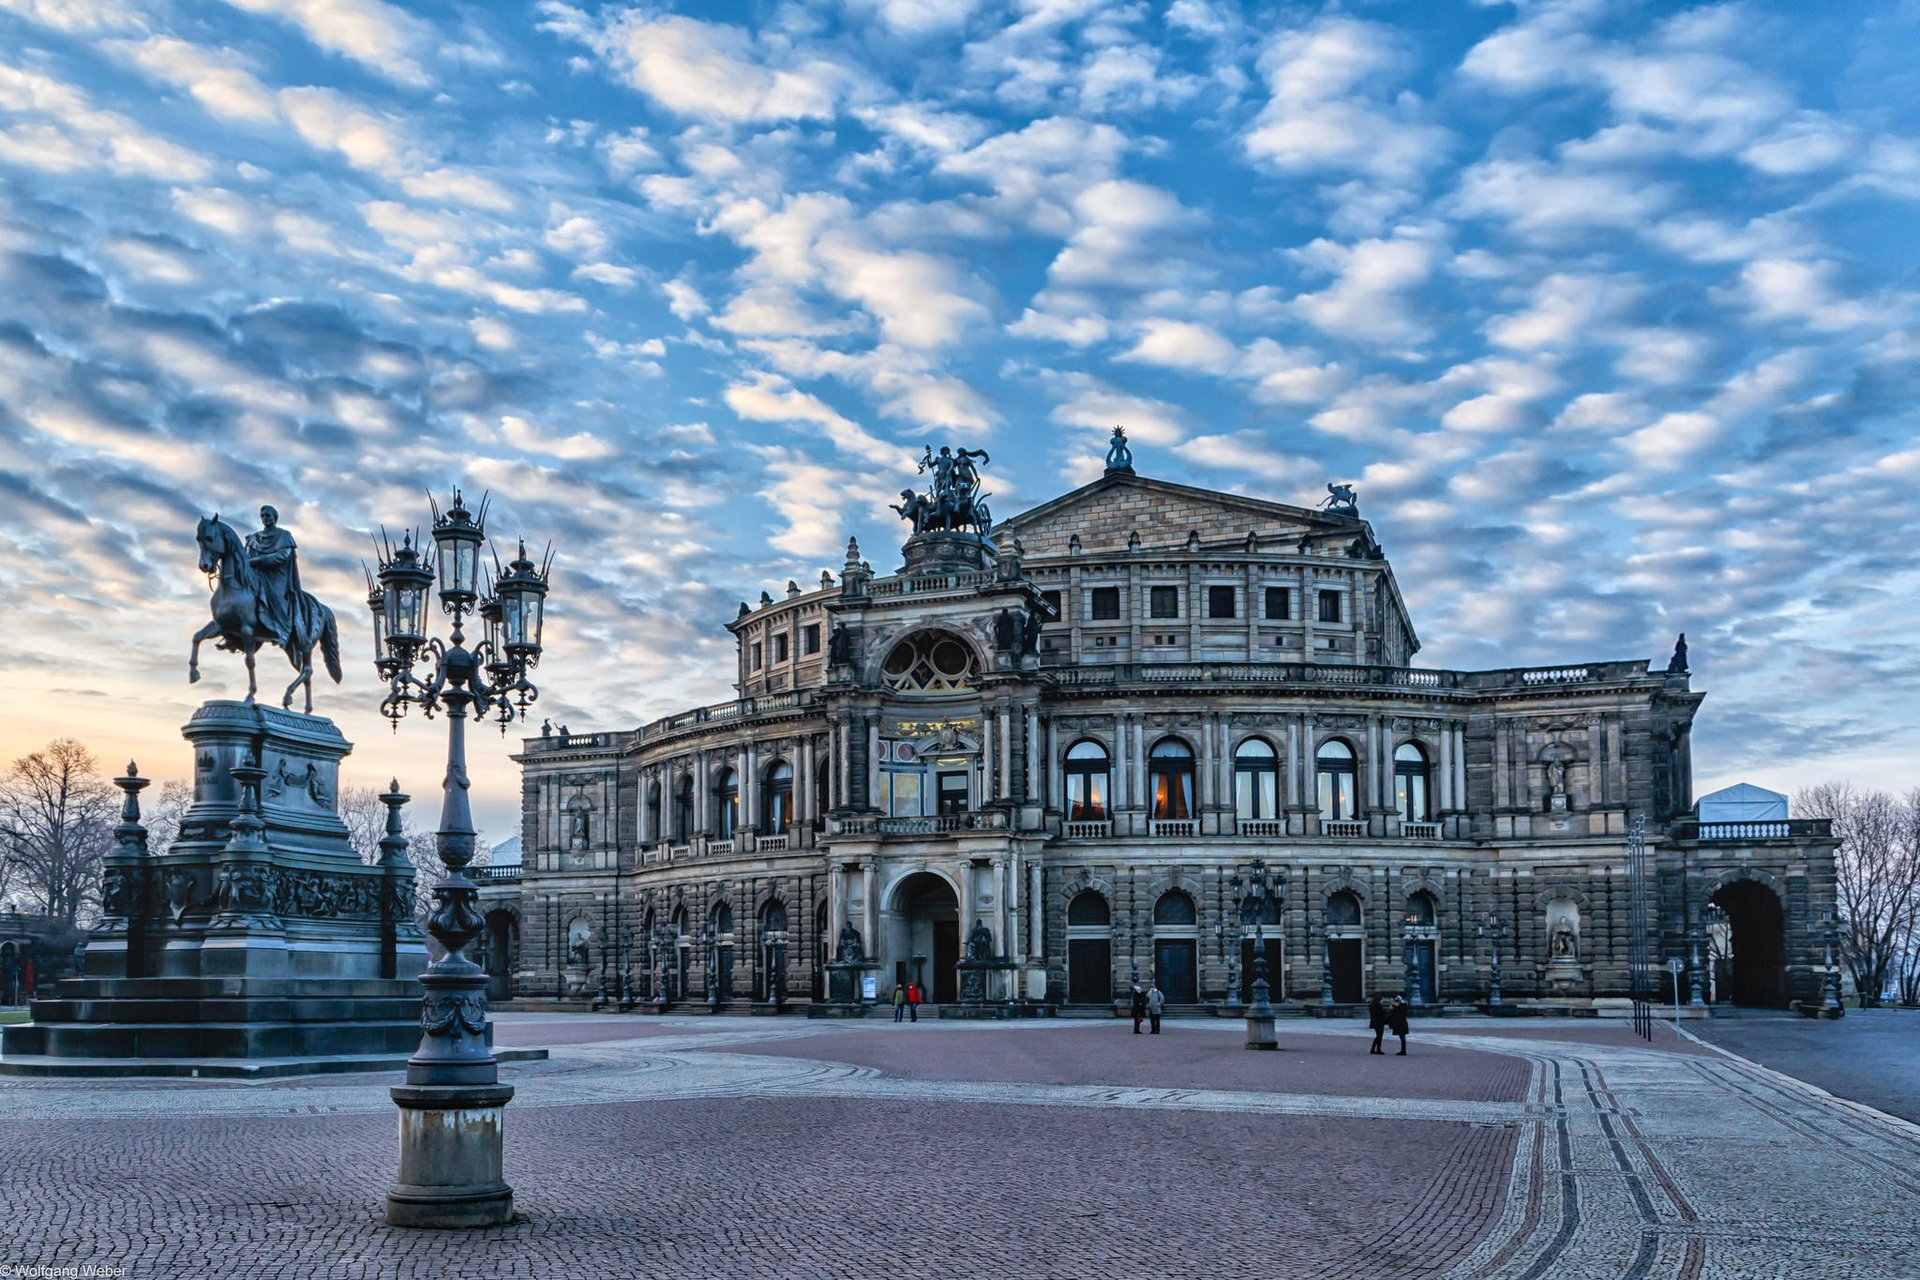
(1564, 943)
(980, 942)
(579, 831)
(850, 949)
(1555, 762)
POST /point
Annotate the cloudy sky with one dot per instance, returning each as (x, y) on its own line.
(1607, 308)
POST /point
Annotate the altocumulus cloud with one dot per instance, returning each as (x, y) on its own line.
(1606, 314)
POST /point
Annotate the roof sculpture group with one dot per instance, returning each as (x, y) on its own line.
(954, 502)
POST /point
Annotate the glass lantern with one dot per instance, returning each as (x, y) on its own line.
(377, 606)
(404, 581)
(522, 594)
(458, 535)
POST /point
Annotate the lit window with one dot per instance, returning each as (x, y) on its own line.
(1334, 772)
(1087, 772)
(1170, 773)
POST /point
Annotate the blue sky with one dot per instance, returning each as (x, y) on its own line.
(1606, 308)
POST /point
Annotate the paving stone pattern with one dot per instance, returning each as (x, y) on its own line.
(747, 1147)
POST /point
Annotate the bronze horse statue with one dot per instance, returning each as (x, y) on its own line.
(237, 615)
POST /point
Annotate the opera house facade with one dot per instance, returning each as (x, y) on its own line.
(1050, 756)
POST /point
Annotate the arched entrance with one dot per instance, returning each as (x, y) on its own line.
(1089, 949)
(502, 953)
(1756, 944)
(1345, 942)
(1176, 947)
(925, 937)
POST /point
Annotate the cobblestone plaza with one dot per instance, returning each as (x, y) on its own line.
(762, 1147)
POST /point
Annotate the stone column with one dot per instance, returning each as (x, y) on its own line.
(836, 906)
(1016, 922)
(1007, 751)
(702, 795)
(1037, 930)
(1034, 793)
(1205, 792)
(1055, 767)
(869, 913)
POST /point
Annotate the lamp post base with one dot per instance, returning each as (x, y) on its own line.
(450, 1157)
(1260, 1031)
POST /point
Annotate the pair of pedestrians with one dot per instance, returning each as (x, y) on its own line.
(906, 1001)
(1148, 1005)
(1382, 1018)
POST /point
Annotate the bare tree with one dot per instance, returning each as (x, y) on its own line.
(366, 820)
(163, 812)
(56, 821)
(1877, 871)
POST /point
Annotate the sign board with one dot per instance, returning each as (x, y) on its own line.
(869, 986)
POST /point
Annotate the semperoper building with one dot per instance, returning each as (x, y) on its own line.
(1026, 768)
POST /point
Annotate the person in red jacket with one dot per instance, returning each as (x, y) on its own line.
(913, 1002)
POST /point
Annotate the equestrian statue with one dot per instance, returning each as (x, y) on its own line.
(257, 601)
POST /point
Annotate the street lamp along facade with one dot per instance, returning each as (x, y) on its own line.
(454, 1181)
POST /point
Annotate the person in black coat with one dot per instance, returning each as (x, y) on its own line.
(1376, 1022)
(1397, 1023)
(1139, 1007)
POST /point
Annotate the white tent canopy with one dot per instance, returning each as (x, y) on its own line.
(1742, 802)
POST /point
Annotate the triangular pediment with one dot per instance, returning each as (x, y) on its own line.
(1108, 512)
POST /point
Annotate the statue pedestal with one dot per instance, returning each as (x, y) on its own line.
(846, 981)
(948, 551)
(1564, 977)
(257, 944)
(985, 981)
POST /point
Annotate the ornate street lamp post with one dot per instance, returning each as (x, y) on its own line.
(451, 1107)
(1695, 994)
(1326, 961)
(1231, 954)
(1830, 986)
(1254, 907)
(662, 940)
(1493, 929)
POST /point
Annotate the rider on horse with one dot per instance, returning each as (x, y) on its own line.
(276, 565)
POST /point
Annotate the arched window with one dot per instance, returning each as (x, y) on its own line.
(929, 662)
(1256, 780)
(1333, 771)
(1089, 908)
(1343, 910)
(1410, 777)
(1420, 911)
(777, 799)
(773, 917)
(726, 810)
(683, 809)
(1087, 773)
(1170, 772)
(653, 812)
(722, 918)
(1174, 908)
